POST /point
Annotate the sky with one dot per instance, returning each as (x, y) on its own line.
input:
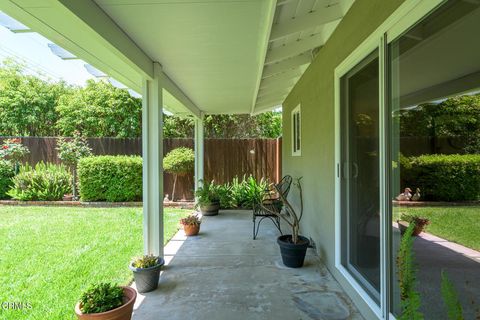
(32, 49)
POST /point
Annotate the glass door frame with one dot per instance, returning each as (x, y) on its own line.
(407, 15)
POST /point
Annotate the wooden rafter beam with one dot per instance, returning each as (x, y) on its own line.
(291, 63)
(294, 49)
(275, 93)
(307, 21)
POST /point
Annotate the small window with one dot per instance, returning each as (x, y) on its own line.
(296, 132)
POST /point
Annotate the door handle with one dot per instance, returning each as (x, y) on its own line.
(355, 170)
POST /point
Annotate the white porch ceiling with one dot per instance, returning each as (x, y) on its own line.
(218, 56)
(300, 28)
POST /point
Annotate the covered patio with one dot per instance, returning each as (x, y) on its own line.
(223, 274)
(343, 71)
(190, 58)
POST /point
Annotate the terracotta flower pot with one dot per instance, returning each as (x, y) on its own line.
(124, 312)
(403, 225)
(191, 229)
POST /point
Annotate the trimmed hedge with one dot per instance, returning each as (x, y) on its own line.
(6, 175)
(110, 178)
(443, 177)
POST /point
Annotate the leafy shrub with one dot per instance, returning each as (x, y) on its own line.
(415, 219)
(101, 297)
(6, 174)
(407, 277)
(225, 195)
(443, 177)
(248, 191)
(45, 182)
(110, 178)
(13, 150)
(450, 298)
(207, 194)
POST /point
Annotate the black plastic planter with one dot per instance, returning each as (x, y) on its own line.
(293, 255)
(146, 280)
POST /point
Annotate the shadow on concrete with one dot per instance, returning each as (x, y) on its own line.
(433, 255)
(223, 274)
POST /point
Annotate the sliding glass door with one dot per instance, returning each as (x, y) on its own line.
(360, 219)
(434, 82)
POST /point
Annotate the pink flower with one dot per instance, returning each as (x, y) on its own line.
(5, 147)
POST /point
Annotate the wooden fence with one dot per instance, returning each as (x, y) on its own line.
(224, 158)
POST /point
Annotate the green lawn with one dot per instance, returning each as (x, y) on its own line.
(49, 255)
(457, 224)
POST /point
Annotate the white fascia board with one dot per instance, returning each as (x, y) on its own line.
(176, 92)
(272, 5)
(104, 27)
(265, 108)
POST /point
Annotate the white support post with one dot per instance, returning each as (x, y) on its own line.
(152, 151)
(199, 152)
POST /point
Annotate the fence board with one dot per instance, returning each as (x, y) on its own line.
(224, 158)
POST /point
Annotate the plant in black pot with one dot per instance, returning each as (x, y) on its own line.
(106, 301)
(146, 272)
(208, 199)
(293, 247)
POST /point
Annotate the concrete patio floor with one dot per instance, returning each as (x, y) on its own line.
(223, 274)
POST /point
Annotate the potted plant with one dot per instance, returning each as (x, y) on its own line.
(191, 225)
(106, 301)
(208, 199)
(146, 272)
(293, 247)
(419, 222)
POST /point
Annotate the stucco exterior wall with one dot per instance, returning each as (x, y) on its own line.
(315, 93)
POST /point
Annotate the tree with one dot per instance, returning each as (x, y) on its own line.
(100, 110)
(27, 103)
(265, 125)
(176, 127)
(31, 106)
(70, 152)
(179, 161)
(457, 117)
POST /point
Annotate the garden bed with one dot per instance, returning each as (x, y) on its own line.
(177, 204)
(435, 203)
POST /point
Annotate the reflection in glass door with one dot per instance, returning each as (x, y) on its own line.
(360, 216)
(434, 88)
